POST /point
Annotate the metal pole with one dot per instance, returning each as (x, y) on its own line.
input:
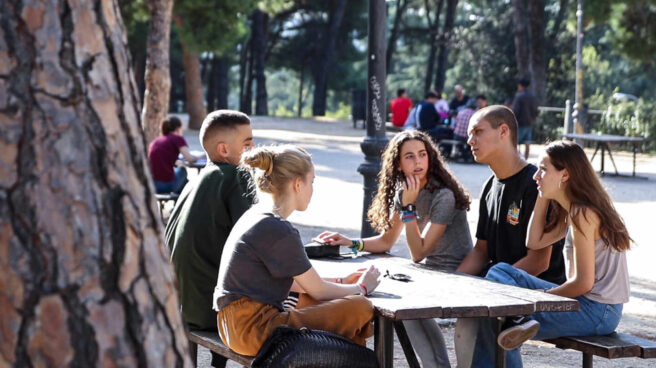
(578, 98)
(375, 141)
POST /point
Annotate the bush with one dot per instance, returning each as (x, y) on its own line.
(631, 119)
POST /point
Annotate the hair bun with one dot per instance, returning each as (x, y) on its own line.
(260, 158)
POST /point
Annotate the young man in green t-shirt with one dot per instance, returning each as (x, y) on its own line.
(205, 213)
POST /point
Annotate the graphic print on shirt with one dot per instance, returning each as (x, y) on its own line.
(513, 214)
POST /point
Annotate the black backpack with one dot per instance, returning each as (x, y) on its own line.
(295, 348)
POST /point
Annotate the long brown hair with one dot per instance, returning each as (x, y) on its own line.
(585, 192)
(390, 178)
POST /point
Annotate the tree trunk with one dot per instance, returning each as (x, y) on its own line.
(260, 29)
(300, 90)
(447, 33)
(246, 79)
(222, 83)
(520, 28)
(538, 48)
(433, 26)
(325, 58)
(210, 96)
(157, 77)
(394, 34)
(86, 280)
(193, 87)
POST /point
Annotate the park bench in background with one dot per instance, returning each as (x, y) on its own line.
(615, 345)
(212, 341)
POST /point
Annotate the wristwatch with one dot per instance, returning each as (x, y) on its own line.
(409, 208)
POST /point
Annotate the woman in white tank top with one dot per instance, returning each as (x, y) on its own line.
(571, 204)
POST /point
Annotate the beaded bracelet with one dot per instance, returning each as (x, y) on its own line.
(357, 245)
(407, 216)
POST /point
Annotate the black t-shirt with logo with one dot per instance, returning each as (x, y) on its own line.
(505, 210)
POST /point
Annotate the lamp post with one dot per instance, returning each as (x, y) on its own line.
(580, 111)
(375, 141)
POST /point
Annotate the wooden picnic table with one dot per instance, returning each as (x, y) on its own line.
(603, 142)
(436, 294)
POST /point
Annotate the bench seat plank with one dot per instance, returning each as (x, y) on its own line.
(212, 341)
(647, 347)
(615, 345)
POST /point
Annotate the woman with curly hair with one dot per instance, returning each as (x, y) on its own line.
(264, 259)
(417, 192)
(571, 204)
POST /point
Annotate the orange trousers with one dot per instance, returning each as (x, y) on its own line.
(245, 324)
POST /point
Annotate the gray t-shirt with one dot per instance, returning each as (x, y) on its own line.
(611, 279)
(260, 258)
(439, 208)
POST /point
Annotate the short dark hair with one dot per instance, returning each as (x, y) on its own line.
(481, 97)
(400, 92)
(524, 82)
(221, 120)
(431, 94)
(170, 124)
(496, 115)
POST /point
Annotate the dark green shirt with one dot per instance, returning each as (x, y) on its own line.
(197, 230)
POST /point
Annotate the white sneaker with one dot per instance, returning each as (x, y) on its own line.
(512, 337)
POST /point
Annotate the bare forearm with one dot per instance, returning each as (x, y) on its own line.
(474, 262)
(416, 243)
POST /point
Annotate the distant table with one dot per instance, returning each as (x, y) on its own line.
(198, 164)
(435, 294)
(603, 141)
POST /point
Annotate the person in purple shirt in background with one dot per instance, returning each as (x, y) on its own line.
(162, 154)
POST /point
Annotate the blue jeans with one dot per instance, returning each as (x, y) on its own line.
(524, 134)
(174, 186)
(593, 318)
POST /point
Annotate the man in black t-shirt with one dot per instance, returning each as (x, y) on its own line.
(506, 206)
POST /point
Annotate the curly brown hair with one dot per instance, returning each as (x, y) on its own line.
(390, 178)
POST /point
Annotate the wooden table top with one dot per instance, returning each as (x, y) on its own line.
(436, 294)
(604, 137)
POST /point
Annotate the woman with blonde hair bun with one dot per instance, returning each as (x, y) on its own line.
(264, 259)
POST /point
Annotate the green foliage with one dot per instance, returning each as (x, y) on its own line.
(212, 25)
(630, 119)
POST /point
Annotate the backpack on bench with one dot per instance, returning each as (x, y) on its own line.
(295, 348)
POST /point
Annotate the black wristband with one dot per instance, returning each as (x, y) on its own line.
(409, 208)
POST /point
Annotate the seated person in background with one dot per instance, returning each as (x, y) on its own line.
(441, 106)
(462, 124)
(411, 121)
(429, 121)
(206, 212)
(506, 204)
(418, 193)
(400, 108)
(264, 259)
(481, 102)
(162, 154)
(459, 99)
(572, 203)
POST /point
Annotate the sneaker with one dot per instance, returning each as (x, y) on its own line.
(518, 331)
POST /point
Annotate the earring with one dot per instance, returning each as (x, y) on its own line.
(559, 184)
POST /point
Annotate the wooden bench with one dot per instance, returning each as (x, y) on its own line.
(613, 346)
(162, 199)
(212, 341)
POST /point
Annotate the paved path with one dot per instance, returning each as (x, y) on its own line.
(337, 205)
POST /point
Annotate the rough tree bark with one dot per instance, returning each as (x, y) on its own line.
(193, 83)
(84, 277)
(538, 47)
(520, 28)
(325, 58)
(445, 40)
(260, 28)
(158, 76)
